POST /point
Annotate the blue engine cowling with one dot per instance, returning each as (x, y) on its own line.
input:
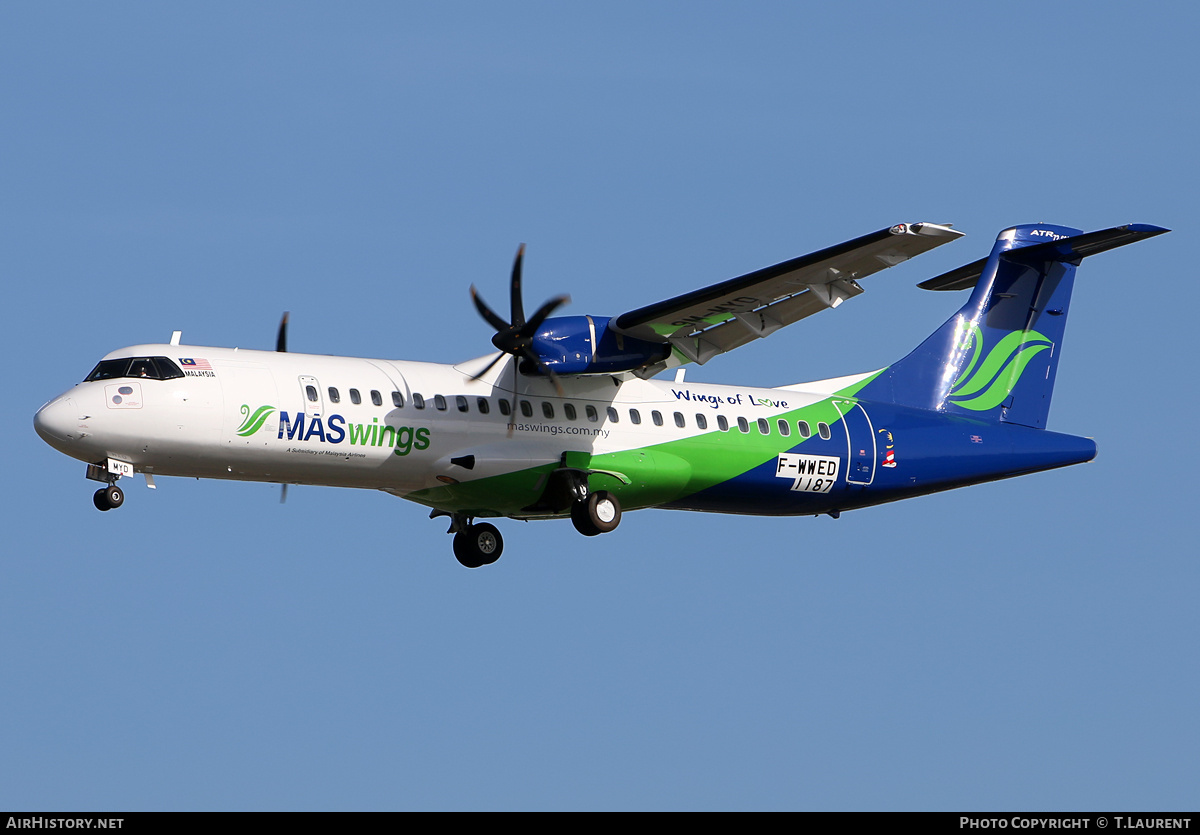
(587, 345)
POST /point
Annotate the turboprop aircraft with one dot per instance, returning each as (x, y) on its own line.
(566, 420)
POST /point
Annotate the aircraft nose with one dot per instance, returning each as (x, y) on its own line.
(57, 421)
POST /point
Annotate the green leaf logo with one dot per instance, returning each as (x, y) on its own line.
(985, 385)
(253, 422)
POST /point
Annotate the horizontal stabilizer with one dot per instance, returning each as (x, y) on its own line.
(1070, 250)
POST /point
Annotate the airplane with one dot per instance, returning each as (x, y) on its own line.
(566, 420)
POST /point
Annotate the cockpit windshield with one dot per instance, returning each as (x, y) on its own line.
(145, 368)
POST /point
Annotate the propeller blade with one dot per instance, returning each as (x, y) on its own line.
(530, 327)
(281, 337)
(486, 312)
(512, 406)
(488, 367)
(516, 306)
(283, 493)
(545, 369)
(553, 378)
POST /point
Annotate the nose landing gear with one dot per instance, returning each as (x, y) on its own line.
(107, 472)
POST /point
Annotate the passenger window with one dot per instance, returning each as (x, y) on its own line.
(376, 398)
(590, 411)
(355, 397)
(569, 411)
(439, 402)
(679, 421)
(505, 407)
(701, 422)
(764, 426)
(722, 423)
(547, 410)
(334, 397)
(635, 416)
(657, 417)
(526, 408)
(743, 426)
(482, 404)
(802, 425)
(823, 428)
(397, 400)
(311, 391)
(418, 401)
(461, 402)
(785, 428)
(613, 415)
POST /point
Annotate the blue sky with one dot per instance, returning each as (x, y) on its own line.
(1029, 644)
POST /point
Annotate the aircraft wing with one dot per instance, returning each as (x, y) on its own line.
(701, 324)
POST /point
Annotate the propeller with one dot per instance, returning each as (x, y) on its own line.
(516, 337)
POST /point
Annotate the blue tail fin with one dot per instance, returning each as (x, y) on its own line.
(997, 357)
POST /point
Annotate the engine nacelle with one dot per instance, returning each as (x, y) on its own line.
(587, 345)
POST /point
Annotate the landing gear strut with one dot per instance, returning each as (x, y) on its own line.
(599, 513)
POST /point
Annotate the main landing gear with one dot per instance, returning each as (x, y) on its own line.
(599, 513)
(480, 544)
(108, 498)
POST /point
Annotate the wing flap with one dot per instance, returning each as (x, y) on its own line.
(756, 324)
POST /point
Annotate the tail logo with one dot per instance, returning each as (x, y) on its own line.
(985, 385)
(253, 422)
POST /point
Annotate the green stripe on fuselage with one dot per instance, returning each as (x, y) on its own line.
(658, 473)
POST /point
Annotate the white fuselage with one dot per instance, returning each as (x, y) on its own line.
(377, 424)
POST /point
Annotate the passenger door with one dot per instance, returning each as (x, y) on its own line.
(860, 442)
(310, 391)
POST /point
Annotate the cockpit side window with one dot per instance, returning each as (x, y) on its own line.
(167, 370)
(108, 370)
